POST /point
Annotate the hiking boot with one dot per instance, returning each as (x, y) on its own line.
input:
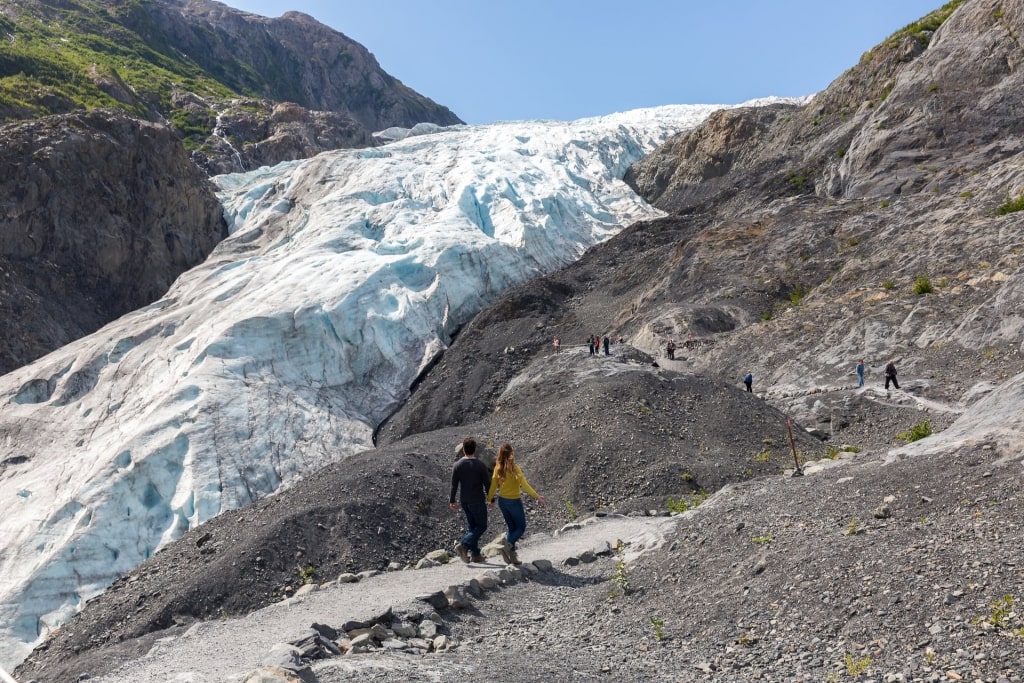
(463, 552)
(478, 558)
(506, 552)
(513, 558)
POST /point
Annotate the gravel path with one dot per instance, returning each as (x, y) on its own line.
(228, 649)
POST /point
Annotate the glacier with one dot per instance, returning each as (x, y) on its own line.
(342, 277)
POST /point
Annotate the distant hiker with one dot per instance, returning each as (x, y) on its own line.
(890, 375)
(607, 343)
(670, 350)
(590, 343)
(748, 379)
(508, 481)
(860, 373)
(557, 344)
(471, 474)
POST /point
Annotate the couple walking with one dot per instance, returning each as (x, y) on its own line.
(479, 486)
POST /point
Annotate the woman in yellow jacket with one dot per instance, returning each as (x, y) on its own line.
(508, 480)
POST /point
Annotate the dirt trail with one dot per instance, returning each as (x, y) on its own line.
(225, 650)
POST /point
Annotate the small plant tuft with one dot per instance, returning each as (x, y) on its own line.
(1002, 618)
(659, 627)
(797, 294)
(307, 574)
(682, 504)
(923, 285)
(916, 433)
(570, 509)
(1011, 205)
(762, 540)
(884, 204)
(855, 667)
(621, 577)
(888, 284)
(853, 528)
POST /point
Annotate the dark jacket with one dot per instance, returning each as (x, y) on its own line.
(474, 478)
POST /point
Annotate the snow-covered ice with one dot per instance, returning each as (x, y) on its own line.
(344, 275)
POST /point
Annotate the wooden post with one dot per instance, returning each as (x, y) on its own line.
(792, 444)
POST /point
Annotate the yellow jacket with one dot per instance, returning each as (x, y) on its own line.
(514, 481)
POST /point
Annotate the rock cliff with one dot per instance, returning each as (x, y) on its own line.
(101, 212)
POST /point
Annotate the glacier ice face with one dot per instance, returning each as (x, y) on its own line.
(343, 276)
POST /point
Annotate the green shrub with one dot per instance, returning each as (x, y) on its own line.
(681, 504)
(916, 433)
(855, 667)
(1011, 205)
(888, 284)
(923, 285)
(884, 203)
(797, 294)
(307, 574)
(799, 180)
(928, 23)
(659, 627)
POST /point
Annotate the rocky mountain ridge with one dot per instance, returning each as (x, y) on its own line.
(216, 74)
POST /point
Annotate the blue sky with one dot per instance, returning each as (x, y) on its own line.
(566, 59)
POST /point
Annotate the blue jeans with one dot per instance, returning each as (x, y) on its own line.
(476, 521)
(515, 518)
(860, 378)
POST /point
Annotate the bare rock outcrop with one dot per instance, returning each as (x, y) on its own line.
(253, 133)
(101, 212)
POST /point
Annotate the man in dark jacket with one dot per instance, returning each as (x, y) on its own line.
(890, 375)
(472, 475)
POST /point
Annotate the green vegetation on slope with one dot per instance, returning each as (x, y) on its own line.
(80, 56)
(929, 23)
